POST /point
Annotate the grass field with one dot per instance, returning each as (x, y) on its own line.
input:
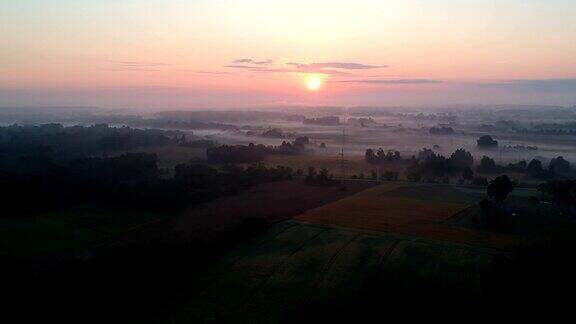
(295, 265)
(42, 235)
(66, 231)
(401, 235)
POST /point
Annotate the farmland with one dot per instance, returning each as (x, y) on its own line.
(397, 240)
(403, 208)
(68, 231)
(83, 227)
(270, 240)
(273, 202)
(297, 266)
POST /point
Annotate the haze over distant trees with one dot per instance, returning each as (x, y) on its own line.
(441, 130)
(322, 121)
(379, 156)
(254, 153)
(129, 181)
(431, 166)
(57, 166)
(56, 139)
(557, 167)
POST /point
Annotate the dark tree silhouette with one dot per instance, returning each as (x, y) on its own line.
(381, 157)
(323, 175)
(487, 141)
(535, 169)
(487, 165)
(518, 167)
(369, 156)
(461, 159)
(500, 187)
(441, 131)
(311, 175)
(413, 173)
(559, 165)
(468, 174)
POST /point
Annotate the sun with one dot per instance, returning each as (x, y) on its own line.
(314, 82)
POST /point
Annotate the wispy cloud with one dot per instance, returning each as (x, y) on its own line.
(252, 61)
(137, 66)
(138, 63)
(239, 66)
(328, 68)
(213, 72)
(335, 65)
(390, 81)
(259, 69)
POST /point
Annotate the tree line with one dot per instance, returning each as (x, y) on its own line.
(131, 180)
(557, 167)
(430, 166)
(252, 153)
(74, 141)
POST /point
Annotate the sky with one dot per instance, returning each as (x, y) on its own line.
(251, 53)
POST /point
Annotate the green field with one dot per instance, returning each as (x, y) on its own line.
(396, 240)
(66, 231)
(294, 265)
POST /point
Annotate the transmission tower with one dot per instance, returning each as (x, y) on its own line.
(341, 155)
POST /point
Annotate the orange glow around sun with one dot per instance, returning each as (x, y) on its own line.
(314, 82)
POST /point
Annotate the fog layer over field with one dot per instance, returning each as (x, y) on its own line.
(407, 136)
(523, 132)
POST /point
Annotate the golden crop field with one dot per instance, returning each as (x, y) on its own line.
(409, 209)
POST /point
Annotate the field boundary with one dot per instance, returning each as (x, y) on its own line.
(329, 265)
(242, 255)
(269, 275)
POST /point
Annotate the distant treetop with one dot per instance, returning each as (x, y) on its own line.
(487, 141)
